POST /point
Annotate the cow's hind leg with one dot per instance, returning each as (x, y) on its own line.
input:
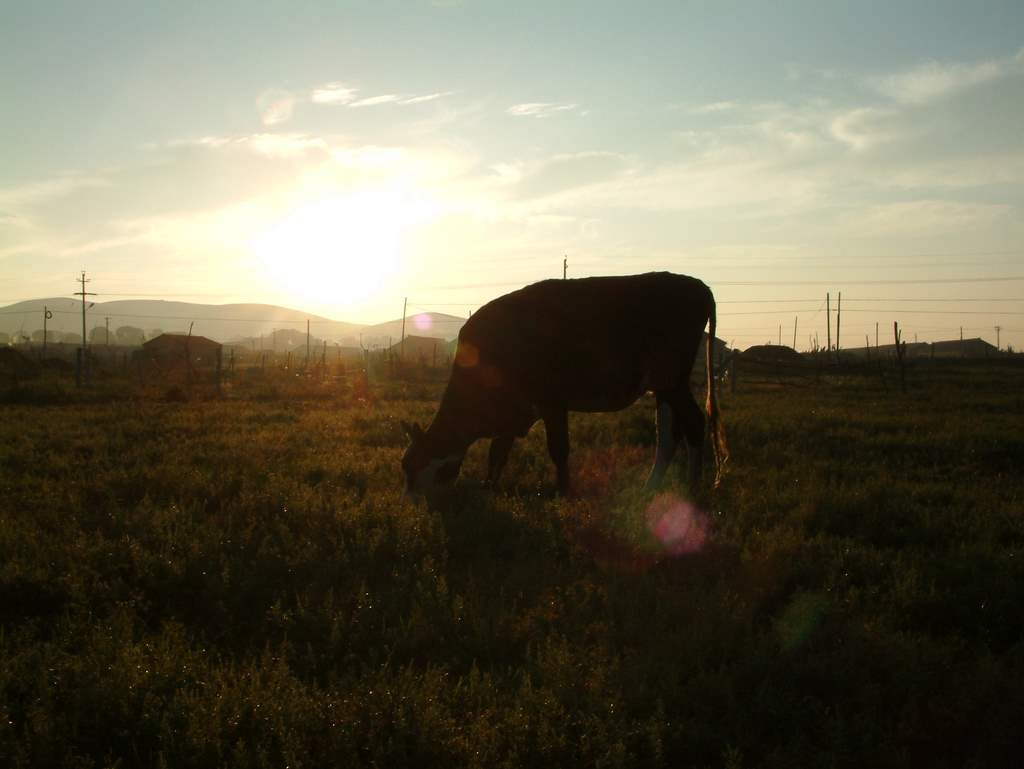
(690, 427)
(556, 426)
(497, 456)
(667, 437)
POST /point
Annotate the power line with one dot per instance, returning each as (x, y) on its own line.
(834, 282)
(908, 281)
(940, 312)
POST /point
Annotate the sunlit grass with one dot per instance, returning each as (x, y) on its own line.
(238, 582)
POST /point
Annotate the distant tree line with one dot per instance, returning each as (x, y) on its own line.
(125, 336)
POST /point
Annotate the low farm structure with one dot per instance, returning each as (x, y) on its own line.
(170, 353)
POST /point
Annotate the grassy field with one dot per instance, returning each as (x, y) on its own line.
(236, 581)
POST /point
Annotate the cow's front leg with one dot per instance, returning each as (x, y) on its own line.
(556, 425)
(666, 443)
(497, 457)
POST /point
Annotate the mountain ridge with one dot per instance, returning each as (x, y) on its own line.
(221, 322)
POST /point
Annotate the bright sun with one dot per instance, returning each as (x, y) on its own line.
(342, 249)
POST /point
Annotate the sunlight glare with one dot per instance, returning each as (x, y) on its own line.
(339, 250)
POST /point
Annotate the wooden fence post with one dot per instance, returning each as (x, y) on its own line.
(220, 357)
(900, 351)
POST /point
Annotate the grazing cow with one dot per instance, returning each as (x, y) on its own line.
(587, 344)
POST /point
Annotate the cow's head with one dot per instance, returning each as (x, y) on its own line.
(427, 464)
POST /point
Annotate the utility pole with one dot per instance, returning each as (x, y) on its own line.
(794, 330)
(82, 362)
(828, 321)
(107, 321)
(565, 266)
(401, 349)
(876, 335)
(998, 329)
(83, 293)
(46, 315)
(780, 335)
(839, 314)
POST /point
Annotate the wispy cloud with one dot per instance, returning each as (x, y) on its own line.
(933, 80)
(372, 101)
(863, 128)
(341, 94)
(275, 106)
(925, 217)
(426, 97)
(562, 172)
(539, 109)
(272, 145)
(334, 93)
(718, 106)
(48, 189)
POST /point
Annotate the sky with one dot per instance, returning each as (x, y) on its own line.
(341, 157)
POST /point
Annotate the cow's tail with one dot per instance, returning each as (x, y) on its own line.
(715, 427)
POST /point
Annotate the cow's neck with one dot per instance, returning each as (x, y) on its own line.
(450, 433)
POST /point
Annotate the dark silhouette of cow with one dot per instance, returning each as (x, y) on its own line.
(588, 344)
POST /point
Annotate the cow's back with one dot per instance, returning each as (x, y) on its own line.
(591, 343)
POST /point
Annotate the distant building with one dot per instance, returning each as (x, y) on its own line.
(952, 348)
(169, 350)
(425, 350)
(968, 348)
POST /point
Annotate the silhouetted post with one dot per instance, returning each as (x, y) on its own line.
(876, 336)
(83, 293)
(307, 342)
(828, 322)
(47, 315)
(107, 326)
(188, 352)
(900, 349)
(565, 266)
(780, 335)
(794, 330)
(867, 347)
(323, 362)
(839, 315)
(401, 349)
(998, 338)
(961, 341)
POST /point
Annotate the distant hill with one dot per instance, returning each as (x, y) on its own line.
(222, 322)
(431, 324)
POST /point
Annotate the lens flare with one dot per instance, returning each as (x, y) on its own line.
(466, 355)
(422, 322)
(677, 524)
